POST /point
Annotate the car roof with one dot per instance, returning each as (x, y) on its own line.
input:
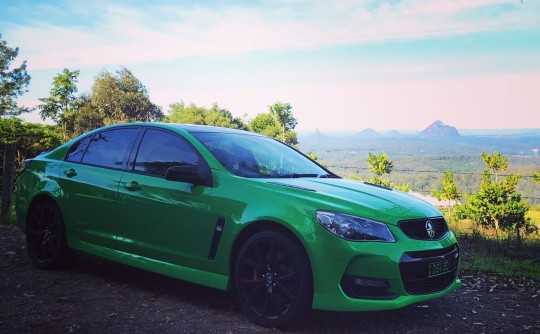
(195, 128)
(190, 128)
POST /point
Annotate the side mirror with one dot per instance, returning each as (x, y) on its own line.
(189, 174)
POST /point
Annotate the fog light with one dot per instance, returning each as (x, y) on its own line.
(366, 288)
(371, 282)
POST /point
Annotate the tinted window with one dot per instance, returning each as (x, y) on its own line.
(108, 148)
(257, 156)
(160, 150)
(76, 151)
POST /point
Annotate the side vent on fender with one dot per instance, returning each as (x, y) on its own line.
(215, 239)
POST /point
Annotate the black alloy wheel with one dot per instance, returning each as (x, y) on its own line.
(272, 279)
(45, 236)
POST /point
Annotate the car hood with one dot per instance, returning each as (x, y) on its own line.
(355, 197)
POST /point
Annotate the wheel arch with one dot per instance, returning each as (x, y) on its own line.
(260, 226)
(43, 197)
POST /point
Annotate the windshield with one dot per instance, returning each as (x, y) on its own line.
(258, 157)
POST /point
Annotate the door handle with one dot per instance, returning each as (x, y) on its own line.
(132, 186)
(70, 172)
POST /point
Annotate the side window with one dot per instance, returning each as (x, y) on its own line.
(160, 150)
(108, 148)
(76, 151)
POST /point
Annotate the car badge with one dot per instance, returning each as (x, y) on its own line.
(430, 229)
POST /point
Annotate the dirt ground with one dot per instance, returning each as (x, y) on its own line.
(95, 296)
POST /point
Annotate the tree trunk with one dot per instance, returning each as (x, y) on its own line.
(518, 236)
(496, 228)
(7, 180)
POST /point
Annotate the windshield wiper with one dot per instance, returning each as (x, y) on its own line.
(298, 175)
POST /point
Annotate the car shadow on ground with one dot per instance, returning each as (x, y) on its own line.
(425, 317)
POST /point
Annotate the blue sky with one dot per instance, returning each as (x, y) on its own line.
(342, 65)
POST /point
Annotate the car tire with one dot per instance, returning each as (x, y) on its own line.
(46, 236)
(273, 279)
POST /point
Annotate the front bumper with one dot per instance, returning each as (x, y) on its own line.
(365, 276)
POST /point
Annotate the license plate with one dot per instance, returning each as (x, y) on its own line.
(439, 268)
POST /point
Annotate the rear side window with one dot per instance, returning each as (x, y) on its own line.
(76, 151)
(160, 150)
(108, 148)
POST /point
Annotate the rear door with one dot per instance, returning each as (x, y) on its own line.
(90, 177)
(163, 219)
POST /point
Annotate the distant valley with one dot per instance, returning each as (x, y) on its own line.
(420, 158)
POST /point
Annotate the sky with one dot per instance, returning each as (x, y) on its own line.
(342, 65)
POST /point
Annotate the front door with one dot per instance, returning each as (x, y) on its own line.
(161, 219)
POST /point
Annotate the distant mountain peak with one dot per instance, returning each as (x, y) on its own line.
(368, 133)
(394, 133)
(438, 129)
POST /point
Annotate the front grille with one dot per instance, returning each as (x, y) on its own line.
(415, 270)
(416, 229)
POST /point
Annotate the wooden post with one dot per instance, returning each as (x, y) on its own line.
(7, 180)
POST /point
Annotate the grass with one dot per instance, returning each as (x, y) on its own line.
(481, 250)
(535, 216)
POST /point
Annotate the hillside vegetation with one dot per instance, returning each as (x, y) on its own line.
(421, 163)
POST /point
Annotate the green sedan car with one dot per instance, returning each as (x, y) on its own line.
(238, 211)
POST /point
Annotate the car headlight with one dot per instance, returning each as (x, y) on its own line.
(354, 228)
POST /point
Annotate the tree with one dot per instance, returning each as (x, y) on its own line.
(284, 118)
(278, 123)
(265, 124)
(217, 116)
(496, 162)
(18, 141)
(379, 164)
(10, 131)
(497, 204)
(13, 81)
(87, 117)
(122, 98)
(193, 114)
(61, 105)
(449, 191)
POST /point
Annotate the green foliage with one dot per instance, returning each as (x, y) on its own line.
(282, 114)
(13, 80)
(17, 142)
(314, 157)
(121, 98)
(265, 124)
(216, 116)
(30, 139)
(497, 204)
(496, 162)
(512, 257)
(38, 138)
(278, 123)
(87, 117)
(449, 191)
(536, 177)
(61, 105)
(380, 165)
(118, 98)
(10, 130)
